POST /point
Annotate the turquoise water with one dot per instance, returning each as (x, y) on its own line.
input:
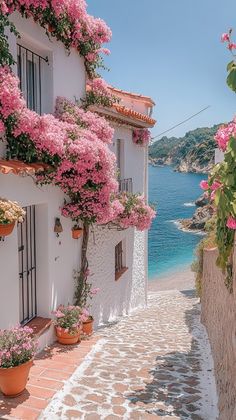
(174, 193)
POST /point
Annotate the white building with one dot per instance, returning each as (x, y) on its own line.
(219, 156)
(36, 265)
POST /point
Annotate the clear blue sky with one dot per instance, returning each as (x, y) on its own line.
(171, 51)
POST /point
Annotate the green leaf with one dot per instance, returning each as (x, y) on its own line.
(217, 197)
(231, 65)
(231, 79)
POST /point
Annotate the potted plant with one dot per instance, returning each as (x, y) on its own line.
(85, 293)
(17, 350)
(76, 231)
(87, 326)
(68, 324)
(10, 213)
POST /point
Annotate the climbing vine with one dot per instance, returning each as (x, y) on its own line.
(68, 22)
(74, 142)
(221, 185)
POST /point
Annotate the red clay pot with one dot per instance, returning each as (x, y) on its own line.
(76, 233)
(66, 338)
(6, 229)
(13, 380)
(88, 326)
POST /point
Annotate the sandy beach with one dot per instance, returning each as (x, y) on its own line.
(181, 280)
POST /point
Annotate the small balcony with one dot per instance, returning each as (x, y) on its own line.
(126, 185)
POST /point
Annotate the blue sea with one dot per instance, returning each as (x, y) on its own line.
(173, 193)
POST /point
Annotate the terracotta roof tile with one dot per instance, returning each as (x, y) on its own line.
(17, 167)
(143, 98)
(134, 114)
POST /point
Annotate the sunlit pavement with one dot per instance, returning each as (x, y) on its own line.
(155, 363)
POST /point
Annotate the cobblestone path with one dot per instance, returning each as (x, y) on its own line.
(153, 364)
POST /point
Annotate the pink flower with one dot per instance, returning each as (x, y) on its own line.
(59, 314)
(204, 185)
(2, 127)
(216, 185)
(224, 134)
(231, 222)
(231, 46)
(141, 136)
(225, 37)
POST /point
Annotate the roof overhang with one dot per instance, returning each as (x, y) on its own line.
(123, 115)
(17, 167)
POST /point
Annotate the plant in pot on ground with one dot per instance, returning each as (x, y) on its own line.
(68, 323)
(84, 294)
(10, 213)
(17, 350)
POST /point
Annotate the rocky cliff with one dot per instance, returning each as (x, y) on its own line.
(192, 153)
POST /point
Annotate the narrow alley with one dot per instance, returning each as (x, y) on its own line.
(155, 363)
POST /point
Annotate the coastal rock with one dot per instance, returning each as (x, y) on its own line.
(201, 216)
(201, 201)
(193, 167)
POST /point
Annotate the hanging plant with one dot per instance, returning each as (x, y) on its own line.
(141, 137)
(10, 213)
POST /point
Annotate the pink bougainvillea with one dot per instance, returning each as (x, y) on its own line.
(2, 128)
(141, 136)
(98, 93)
(204, 185)
(231, 223)
(224, 134)
(67, 21)
(134, 212)
(82, 164)
(69, 112)
(210, 189)
(75, 143)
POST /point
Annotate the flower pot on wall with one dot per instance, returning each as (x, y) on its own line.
(88, 326)
(76, 233)
(13, 380)
(6, 229)
(64, 337)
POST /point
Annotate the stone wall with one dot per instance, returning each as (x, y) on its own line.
(219, 317)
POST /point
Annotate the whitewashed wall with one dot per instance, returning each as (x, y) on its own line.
(133, 158)
(130, 290)
(116, 298)
(219, 156)
(64, 76)
(56, 257)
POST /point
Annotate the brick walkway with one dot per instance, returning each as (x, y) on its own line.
(154, 364)
(50, 371)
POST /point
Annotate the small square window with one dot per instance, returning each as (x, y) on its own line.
(120, 267)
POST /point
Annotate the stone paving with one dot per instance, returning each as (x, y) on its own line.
(153, 364)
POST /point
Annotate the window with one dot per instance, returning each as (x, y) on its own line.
(29, 69)
(119, 260)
